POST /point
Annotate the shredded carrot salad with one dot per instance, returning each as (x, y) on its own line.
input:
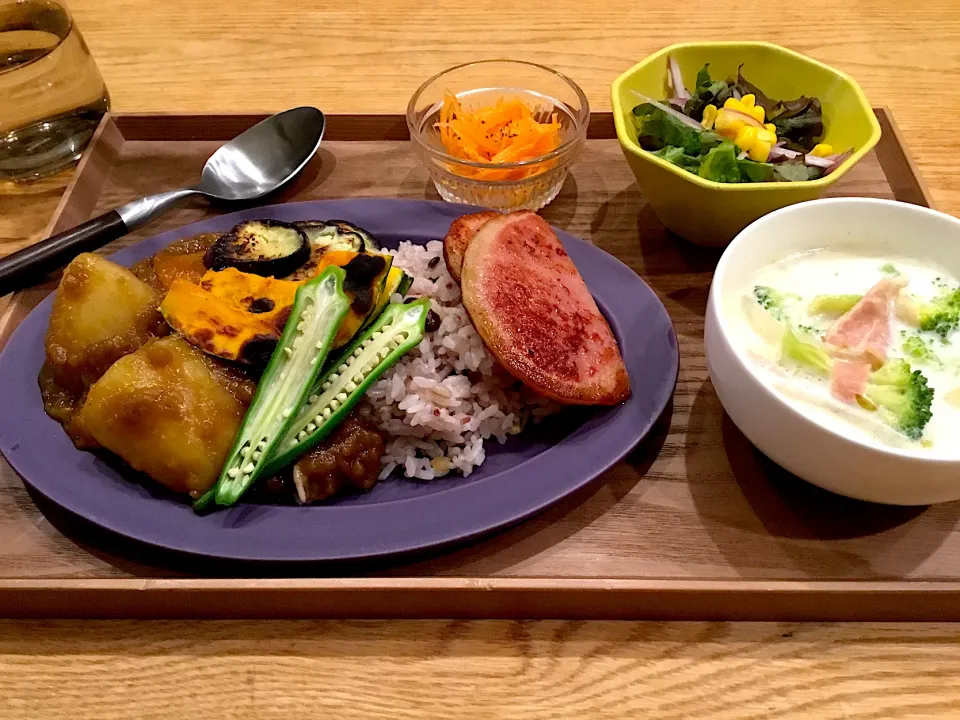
(504, 132)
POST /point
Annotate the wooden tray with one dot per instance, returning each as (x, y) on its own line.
(694, 525)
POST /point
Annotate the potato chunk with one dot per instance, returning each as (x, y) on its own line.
(168, 412)
(101, 312)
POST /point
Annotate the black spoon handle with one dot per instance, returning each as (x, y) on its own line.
(28, 266)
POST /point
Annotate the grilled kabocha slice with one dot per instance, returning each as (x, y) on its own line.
(263, 247)
(398, 329)
(318, 310)
(366, 274)
(234, 315)
(339, 243)
(397, 283)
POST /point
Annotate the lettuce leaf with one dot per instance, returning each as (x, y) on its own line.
(657, 129)
(796, 171)
(679, 158)
(802, 126)
(720, 164)
(703, 76)
(772, 108)
(798, 121)
(707, 92)
(752, 171)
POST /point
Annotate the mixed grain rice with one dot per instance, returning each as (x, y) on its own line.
(447, 396)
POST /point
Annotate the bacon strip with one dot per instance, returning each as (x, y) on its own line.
(849, 379)
(863, 332)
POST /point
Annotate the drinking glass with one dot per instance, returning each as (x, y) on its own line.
(51, 93)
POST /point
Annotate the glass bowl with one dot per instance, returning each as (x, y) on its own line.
(524, 185)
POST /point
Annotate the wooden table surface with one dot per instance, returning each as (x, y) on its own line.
(228, 56)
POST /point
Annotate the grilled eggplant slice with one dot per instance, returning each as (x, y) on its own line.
(370, 243)
(329, 236)
(263, 247)
(338, 235)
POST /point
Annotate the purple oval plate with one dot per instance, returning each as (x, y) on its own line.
(533, 470)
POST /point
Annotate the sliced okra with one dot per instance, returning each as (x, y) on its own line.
(318, 311)
(398, 329)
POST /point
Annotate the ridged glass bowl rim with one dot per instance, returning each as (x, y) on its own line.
(581, 118)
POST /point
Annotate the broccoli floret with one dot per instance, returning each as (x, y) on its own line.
(889, 269)
(773, 301)
(805, 354)
(942, 314)
(915, 347)
(833, 304)
(903, 396)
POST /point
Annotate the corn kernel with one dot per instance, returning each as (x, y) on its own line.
(727, 124)
(733, 104)
(709, 116)
(760, 151)
(766, 136)
(746, 138)
(758, 113)
(771, 127)
(722, 121)
(441, 465)
(748, 100)
(822, 150)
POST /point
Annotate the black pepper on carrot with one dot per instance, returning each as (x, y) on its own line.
(504, 132)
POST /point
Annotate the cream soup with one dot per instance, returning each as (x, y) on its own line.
(795, 284)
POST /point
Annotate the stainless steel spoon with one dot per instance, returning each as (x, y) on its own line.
(256, 162)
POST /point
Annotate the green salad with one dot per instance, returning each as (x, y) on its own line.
(730, 131)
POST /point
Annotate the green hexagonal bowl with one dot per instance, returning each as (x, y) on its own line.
(708, 213)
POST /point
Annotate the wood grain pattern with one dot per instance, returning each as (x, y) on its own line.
(220, 57)
(254, 56)
(482, 670)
